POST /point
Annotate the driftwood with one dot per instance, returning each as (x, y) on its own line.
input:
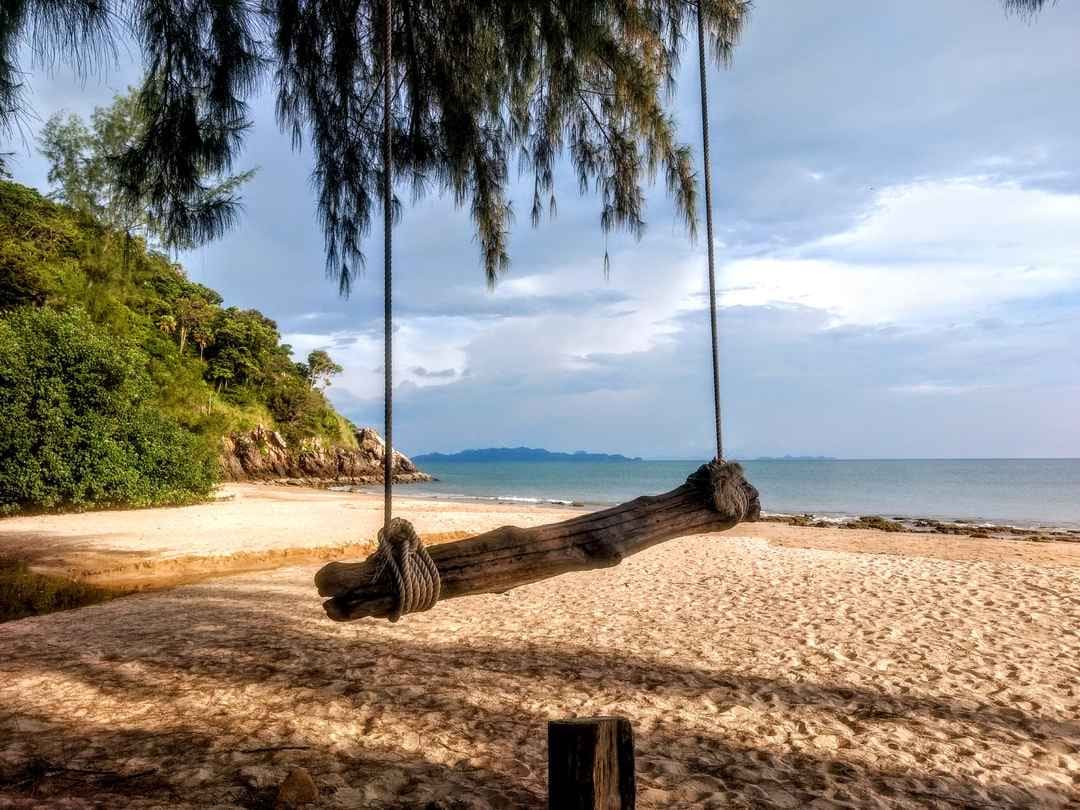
(714, 498)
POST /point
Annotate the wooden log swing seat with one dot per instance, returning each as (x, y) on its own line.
(714, 498)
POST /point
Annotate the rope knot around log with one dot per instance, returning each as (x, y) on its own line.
(403, 560)
(724, 488)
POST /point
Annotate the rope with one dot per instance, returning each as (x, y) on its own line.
(388, 358)
(402, 555)
(709, 228)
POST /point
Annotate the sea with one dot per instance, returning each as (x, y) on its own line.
(1020, 492)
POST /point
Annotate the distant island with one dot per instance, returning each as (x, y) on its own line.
(518, 454)
(794, 458)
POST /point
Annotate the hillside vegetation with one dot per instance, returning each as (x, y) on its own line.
(119, 376)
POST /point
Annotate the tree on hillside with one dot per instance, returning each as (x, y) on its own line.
(166, 324)
(84, 170)
(193, 313)
(202, 334)
(319, 369)
(244, 347)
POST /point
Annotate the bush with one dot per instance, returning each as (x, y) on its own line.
(77, 426)
(302, 412)
(127, 403)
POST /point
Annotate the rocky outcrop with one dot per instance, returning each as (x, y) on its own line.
(264, 455)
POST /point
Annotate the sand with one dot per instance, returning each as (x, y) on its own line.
(247, 527)
(770, 666)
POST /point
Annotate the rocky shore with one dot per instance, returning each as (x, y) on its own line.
(265, 455)
(966, 528)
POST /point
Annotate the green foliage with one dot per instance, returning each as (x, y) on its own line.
(118, 375)
(26, 593)
(245, 342)
(84, 168)
(320, 368)
(479, 84)
(79, 426)
(37, 247)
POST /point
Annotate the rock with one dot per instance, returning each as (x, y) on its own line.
(265, 455)
(297, 789)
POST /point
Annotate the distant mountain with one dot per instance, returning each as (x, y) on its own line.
(518, 454)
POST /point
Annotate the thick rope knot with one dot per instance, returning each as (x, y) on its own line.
(401, 555)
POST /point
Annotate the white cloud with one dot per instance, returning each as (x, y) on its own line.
(926, 252)
(653, 289)
(420, 345)
(926, 257)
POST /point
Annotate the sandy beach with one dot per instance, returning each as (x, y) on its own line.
(248, 526)
(769, 666)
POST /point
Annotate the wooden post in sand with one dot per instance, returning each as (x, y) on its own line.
(591, 764)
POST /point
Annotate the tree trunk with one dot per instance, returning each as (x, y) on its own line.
(714, 498)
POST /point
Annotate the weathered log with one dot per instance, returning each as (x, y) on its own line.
(591, 764)
(714, 498)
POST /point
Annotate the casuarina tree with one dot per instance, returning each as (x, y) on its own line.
(479, 86)
(84, 169)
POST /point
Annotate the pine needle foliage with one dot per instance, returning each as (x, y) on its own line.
(482, 87)
(86, 165)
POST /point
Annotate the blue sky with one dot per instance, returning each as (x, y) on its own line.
(898, 238)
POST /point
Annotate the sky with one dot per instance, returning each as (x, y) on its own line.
(897, 202)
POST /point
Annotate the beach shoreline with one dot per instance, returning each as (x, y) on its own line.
(1066, 531)
(252, 527)
(1041, 494)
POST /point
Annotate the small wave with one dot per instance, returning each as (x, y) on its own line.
(523, 499)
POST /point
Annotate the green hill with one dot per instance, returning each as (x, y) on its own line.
(119, 376)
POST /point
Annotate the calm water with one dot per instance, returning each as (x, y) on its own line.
(1005, 490)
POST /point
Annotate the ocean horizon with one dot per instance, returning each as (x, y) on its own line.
(1017, 491)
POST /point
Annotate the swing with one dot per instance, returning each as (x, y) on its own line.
(403, 576)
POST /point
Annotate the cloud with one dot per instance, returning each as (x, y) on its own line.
(441, 374)
(822, 343)
(934, 250)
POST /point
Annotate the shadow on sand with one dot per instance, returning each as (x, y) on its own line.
(206, 695)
